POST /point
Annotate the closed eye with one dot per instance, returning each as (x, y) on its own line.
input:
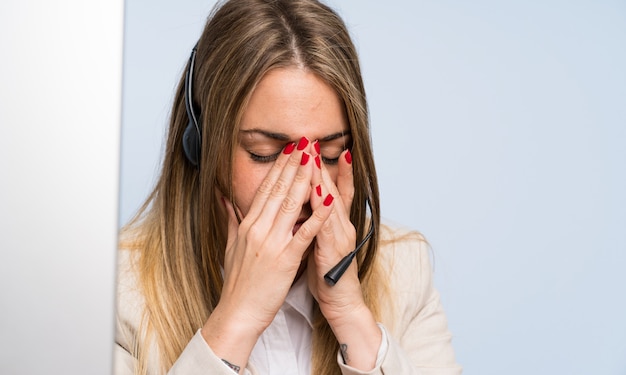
(264, 158)
(329, 161)
(273, 157)
(331, 151)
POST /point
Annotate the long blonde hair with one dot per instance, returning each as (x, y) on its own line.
(179, 230)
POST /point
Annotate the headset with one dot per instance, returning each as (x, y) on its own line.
(192, 135)
(191, 144)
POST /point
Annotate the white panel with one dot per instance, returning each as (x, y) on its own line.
(60, 101)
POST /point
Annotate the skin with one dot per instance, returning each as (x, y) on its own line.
(287, 230)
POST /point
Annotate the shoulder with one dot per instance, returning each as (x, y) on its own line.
(393, 233)
(404, 257)
(405, 254)
(127, 278)
(129, 299)
(412, 310)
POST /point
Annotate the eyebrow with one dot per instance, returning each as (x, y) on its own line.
(284, 137)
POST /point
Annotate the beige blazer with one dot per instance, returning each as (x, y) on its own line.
(416, 325)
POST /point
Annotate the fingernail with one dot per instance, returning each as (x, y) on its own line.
(318, 162)
(289, 148)
(349, 157)
(318, 190)
(302, 143)
(317, 147)
(305, 158)
(328, 200)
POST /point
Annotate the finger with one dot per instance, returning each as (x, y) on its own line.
(338, 224)
(312, 226)
(338, 229)
(270, 180)
(279, 193)
(345, 179)
(328, 185)
(283, 208)
(233, 224)
(317, 190)
(316, 148)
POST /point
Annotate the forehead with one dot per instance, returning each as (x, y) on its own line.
(295, 102)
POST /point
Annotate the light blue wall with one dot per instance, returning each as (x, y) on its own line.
(499, 131)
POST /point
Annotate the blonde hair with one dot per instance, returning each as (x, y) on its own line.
(179, 230)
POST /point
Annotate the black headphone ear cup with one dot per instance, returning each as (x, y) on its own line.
(191, 144)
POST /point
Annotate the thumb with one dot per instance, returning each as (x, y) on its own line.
(233, 223)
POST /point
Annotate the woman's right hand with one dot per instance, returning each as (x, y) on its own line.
(263, 256)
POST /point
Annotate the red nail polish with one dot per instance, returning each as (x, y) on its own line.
(302, 143)
(317, 147)
(318, 162)
(328, 200)
(318, 190)
(289, 148)
(305, 158)
(349, 157)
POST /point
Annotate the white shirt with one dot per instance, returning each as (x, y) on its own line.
(285, 345)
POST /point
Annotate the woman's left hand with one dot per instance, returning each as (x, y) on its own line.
(343, 304)
(335, 240)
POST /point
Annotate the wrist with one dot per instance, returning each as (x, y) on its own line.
(359, 338)
(347, 315)
(351, 318)
(230, 336)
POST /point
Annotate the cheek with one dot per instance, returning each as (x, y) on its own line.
(247, 177)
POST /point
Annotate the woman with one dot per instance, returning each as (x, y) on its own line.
(267, 177)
